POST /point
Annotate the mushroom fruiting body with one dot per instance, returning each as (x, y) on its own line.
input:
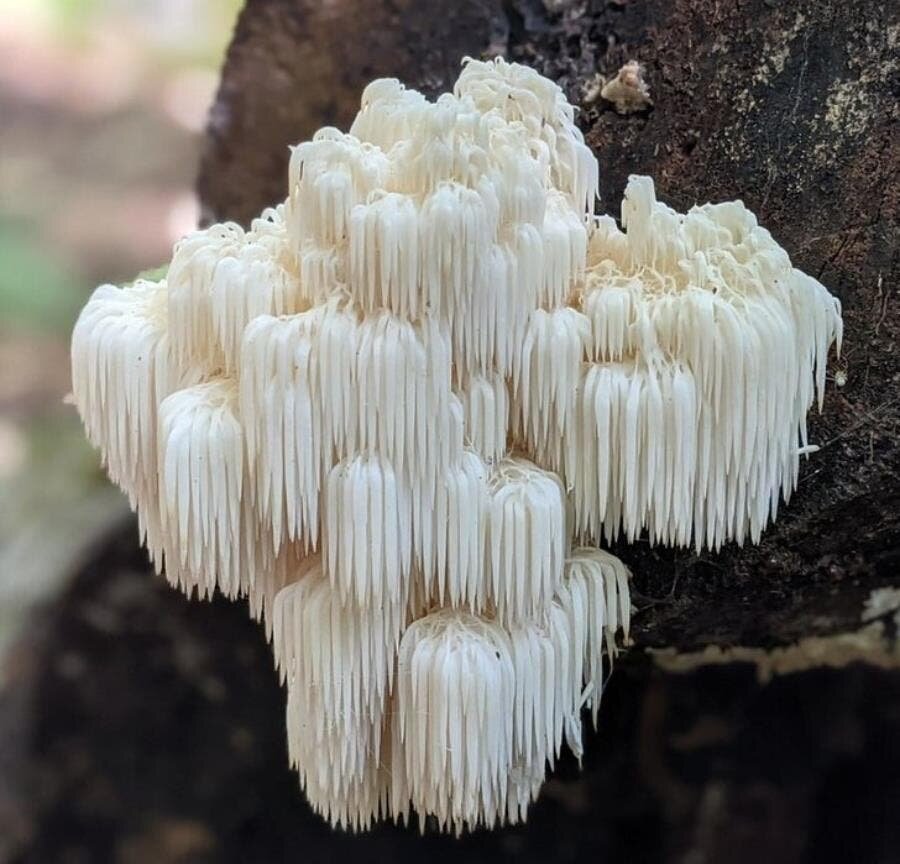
(385, 412)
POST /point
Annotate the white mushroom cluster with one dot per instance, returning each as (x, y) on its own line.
(401, 410)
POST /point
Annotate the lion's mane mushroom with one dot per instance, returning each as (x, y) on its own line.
(384, 412)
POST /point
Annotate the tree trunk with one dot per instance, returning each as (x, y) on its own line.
(759, 713)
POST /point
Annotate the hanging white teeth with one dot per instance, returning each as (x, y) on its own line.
(385, 411)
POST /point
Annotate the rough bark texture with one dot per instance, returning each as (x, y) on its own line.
(152, 727)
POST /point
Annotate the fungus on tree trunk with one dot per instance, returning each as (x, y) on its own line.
(386, 411)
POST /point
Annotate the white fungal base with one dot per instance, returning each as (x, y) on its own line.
(384, 412)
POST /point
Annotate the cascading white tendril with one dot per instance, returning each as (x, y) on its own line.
(386, 411)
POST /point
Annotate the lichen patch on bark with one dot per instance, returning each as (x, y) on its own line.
(874, 643)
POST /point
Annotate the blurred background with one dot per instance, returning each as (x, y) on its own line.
(102, 109)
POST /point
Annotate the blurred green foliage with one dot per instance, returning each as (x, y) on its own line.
(72, 12)
(37, 291)
(202, 43)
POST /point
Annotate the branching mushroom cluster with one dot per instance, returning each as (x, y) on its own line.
(399, 412)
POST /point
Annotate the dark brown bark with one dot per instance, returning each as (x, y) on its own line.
(158, 734)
